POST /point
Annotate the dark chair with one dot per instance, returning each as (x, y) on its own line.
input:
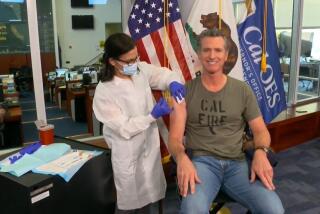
(2, 113)
(2, 134)
(223, 198)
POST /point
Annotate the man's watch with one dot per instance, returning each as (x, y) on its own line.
(263, 148)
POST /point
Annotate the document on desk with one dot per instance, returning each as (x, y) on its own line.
(67, 165)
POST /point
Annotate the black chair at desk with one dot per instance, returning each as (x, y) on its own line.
(2, 113)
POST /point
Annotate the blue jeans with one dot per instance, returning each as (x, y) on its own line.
(232, 177)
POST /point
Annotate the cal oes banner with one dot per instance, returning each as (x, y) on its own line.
(209, 14)
(268, 85)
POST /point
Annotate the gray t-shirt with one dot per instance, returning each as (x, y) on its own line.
(216, 120)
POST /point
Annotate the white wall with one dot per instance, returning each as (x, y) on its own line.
(283, 13)
(80, 46)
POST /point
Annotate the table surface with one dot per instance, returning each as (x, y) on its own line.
(30, 178)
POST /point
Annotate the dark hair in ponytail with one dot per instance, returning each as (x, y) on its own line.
(115, 45)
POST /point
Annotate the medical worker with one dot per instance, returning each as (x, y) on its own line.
(123, 102)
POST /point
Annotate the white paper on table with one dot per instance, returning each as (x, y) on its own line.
(65, 162)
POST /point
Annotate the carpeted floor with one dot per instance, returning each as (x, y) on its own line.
(64, 125)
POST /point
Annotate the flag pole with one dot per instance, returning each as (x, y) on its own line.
(166, 93)
(264, 38)
(166, 31)
(220, 13)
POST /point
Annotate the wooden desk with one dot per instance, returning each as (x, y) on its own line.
(13, 115)
(72, 86)
(93, 123)
(73, 95)
(60, 87)
(51, 87)
(295, 126)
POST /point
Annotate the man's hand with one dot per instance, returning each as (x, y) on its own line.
(262, 168)
(187, 175)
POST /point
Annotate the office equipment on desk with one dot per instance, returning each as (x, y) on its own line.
(61, 72)
(86, 78)
(9, 103)
(90, 77)
(285, 43)
(8, 85)
(79, 77)
(71, 75)
(52, 75)
(94, 76)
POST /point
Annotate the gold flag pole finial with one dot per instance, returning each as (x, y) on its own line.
(249, 6)
(264, 38)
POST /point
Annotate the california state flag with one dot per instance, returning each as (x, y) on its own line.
(209, 14)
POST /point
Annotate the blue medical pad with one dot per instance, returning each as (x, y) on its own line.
(42, 156)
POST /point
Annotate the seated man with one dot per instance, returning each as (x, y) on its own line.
(213, 119)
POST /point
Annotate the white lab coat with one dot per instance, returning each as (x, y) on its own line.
(124, 107)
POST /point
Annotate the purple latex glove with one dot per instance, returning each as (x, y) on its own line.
(178, 91)
(28, 149)
(160, 109)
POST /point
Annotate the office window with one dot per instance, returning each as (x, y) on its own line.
(13, 28)
(14, 34)
(308, 77)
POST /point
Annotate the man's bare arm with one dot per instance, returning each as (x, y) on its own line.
(186, 172)
(260, 164)
(177, 126)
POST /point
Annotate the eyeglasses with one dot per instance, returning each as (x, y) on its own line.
(130, 61)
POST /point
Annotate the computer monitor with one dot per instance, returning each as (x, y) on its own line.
(61, 72)
(52, 75)
(91, 2)
(71, 75)
(285, 44)
(94, 76)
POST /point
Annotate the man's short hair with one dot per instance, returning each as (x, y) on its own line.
(215, 32)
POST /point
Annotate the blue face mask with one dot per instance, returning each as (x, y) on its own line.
(130, 69)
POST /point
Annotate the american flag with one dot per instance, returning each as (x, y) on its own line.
(157, 44)
(157, 29)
